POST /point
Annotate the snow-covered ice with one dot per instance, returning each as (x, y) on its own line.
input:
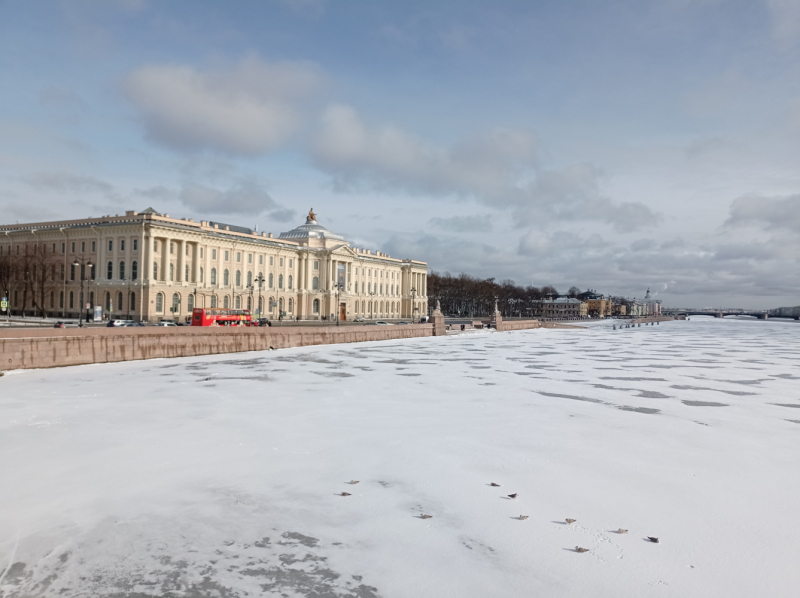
(222, 475)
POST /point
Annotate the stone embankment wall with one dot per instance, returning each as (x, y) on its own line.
(506, 325)
(21, 349)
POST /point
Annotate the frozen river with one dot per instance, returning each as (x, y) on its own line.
(222, 476)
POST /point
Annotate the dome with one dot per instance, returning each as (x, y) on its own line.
(310, 230)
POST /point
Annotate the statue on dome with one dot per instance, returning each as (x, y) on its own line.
(312, 215)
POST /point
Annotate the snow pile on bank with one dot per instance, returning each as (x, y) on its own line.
(223, 475)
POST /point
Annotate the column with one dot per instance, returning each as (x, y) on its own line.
(195, 263)
(180, 246)
(147, 254)
(165, 244)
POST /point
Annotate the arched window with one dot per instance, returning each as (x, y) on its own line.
(316, 306)
(213, 300)
(201, 274)
(238, 278)
(213, 276)
(110, 270)
(121, 270)
(108, 301)
(280, 304)
(91, 271)
(291, 305)
(280, 281)
(160, 303)
(119, 301)
(176, 303)
(134, 271)
(271, 280)
(133, 302)
(189, 302)
(315, 283)
(271, 304)
(363, 307)
(238, 302)
(249, 279)
(290, 281)
(226, 278)
(155, 270)
(226, 301)
(250, 304)
(172, 272)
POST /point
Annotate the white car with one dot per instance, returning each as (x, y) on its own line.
(380, 323)
(165, 323)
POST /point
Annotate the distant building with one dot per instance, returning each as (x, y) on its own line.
(597, 305)
(562, 307)
(648, 306)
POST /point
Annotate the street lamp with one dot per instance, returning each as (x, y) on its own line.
(413, 302)
(260, 280)
(337, 291)
(82, 264)
(176, 307)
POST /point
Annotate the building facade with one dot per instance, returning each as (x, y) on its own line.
(148, 266)
(561, 307)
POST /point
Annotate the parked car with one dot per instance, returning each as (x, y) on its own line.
(398, 323)
(115, 323)
(59, 325)
(382, 323)
(359, 319)
(165, 323)
(134, 324)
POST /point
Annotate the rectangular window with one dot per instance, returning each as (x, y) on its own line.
(260, 260)
(227, 255)
(213, 254)
(187, 248)
(63, 248)
(201, 254)
(238, 256)
(316, 264)
(249, 258)
(155, 246)
(54, 249)
(83, 246)
(136, 244)
(271, 261)
(171, 247)
(291, 263)
(110, 245)
(73, 247)
(122, 245)
(281, 264)
(72, 272)
(94, 246)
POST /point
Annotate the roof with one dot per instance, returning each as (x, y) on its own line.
(310, 230)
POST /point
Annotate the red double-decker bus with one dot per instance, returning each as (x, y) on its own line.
(221, 317)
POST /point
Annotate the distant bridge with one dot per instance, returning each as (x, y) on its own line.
(721, 313)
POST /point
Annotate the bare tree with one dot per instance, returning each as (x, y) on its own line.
(573, 292)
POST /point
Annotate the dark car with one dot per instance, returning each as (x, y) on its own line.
(264, 322)
(59, 325)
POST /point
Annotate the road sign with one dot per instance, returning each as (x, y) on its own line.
(3, 304)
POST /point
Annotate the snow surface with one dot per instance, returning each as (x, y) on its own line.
(221, 475)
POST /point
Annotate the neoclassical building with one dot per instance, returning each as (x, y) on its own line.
(149, 266)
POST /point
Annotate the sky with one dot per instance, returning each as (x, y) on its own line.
(617, 145)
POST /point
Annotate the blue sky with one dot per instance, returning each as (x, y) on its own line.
(615, 145)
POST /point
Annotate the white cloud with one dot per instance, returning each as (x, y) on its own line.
(250, 109)
(246, 197)
(766, 212)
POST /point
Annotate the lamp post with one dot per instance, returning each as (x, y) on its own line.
(176, 307)
(260, 280)
(337, 289)
(371, 305)
(413, 302)
(82, 264)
